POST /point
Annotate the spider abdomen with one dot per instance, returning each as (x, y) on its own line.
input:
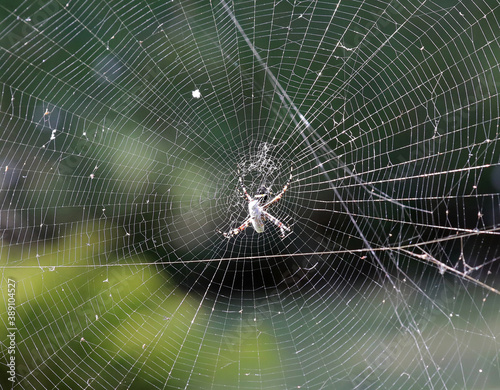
(256, 215)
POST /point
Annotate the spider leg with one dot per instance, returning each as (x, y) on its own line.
(282, 192)
(277, 222)
(249, 198)
(239, 229)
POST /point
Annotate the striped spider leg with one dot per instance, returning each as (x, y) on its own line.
(280, 195)
(240, 228)
(283, 228)
(258, 212)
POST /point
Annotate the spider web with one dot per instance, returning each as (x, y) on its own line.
(124, 127)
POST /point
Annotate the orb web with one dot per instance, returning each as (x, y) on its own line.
(125, 128)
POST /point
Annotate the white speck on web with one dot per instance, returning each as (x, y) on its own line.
(196, 94)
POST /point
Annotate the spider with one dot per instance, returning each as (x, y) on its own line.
(257, 209)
